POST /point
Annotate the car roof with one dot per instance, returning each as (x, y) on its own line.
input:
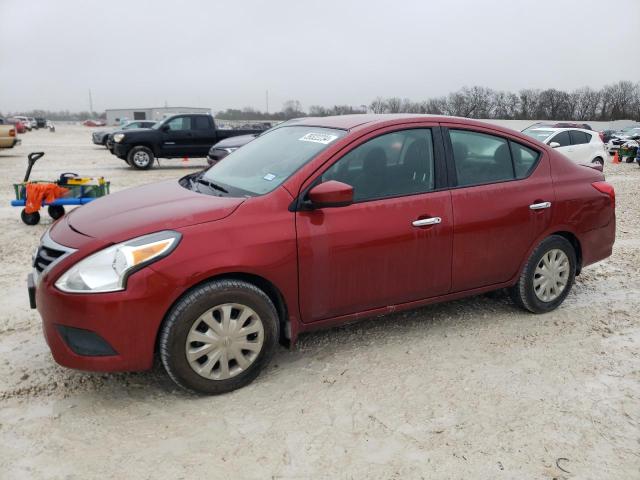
(563, 129)
(350, 122)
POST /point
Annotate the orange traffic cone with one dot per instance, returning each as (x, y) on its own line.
(616, 159)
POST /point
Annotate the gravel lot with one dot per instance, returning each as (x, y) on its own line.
(468, 389)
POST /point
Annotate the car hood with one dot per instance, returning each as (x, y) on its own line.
(235, 142)
(150, 208)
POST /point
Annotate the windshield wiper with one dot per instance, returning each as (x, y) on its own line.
(212, 185)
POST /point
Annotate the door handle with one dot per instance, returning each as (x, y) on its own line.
(540, 206)
(423, 222)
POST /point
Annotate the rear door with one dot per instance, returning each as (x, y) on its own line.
(501, 204)
(204, 134)
(393, 244)
(580, 146)
(178, 140)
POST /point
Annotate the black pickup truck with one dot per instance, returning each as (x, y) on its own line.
(178, 136)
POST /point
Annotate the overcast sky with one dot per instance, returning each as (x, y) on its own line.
(222, 54)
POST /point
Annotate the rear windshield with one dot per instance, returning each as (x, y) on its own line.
(264, 163)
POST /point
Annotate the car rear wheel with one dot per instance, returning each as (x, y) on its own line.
(547, 277)
(219, 336)
(140, 158)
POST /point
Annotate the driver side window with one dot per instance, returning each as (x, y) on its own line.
(180, 123)
(393, 164)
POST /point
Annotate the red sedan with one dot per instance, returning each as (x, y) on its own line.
(314, 224)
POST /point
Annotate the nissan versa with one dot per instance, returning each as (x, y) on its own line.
(314, 224)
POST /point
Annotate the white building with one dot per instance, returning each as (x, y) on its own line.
(116, 116)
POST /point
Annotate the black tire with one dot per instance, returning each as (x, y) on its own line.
(140, 158)
(178, 322)
(55, 211)
(630, 159)
(523, 293)
(599, 160)
(30, 218)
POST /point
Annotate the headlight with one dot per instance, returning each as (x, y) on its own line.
(108, 269)
(118, 137)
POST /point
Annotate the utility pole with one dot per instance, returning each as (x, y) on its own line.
(90, 103)
(267, 96)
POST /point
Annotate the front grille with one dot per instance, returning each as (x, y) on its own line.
(45, 256)
(48, 254)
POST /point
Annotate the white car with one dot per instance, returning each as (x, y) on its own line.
(621, 137)
(580, 146)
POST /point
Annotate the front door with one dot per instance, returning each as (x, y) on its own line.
(393, 244)
(501, 205)
(178, 141)
(565, 147)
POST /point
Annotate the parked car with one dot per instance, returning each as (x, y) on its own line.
(41, 122)
(226, 146)
(580, 145)
(94, 123)
(606, 135)
(621, 137)
(314, 224)
(25, 121)
(8, 137)
(100, 137)
(178, 136)
(20, 127)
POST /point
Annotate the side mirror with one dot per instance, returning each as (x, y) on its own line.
(331, 194)
(554, 144)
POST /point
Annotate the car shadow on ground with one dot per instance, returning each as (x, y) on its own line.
(398, 327)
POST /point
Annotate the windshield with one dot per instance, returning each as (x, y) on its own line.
(538, 133)
(264, 163)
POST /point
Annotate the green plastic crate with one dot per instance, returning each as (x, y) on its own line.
(75, 191)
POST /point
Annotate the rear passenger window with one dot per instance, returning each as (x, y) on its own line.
(562, 138)
(394, 164)
(480, 158)
(202, 123)
(524, 159)
(578, 138)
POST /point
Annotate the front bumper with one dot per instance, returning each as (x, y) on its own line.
(121, 150)
(97, 139)
(104, 331)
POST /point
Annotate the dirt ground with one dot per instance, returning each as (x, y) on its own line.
(469, 389)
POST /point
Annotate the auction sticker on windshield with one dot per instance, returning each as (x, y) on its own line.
(324, 138)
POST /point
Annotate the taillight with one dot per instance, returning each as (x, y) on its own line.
(12, 132)
(606, 188)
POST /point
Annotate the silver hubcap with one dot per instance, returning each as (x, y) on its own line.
(551, 275)
(224, 341)
(141, 159)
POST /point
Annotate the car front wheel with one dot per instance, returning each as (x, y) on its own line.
(547, 277)
(219, 336)
(140, 158)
